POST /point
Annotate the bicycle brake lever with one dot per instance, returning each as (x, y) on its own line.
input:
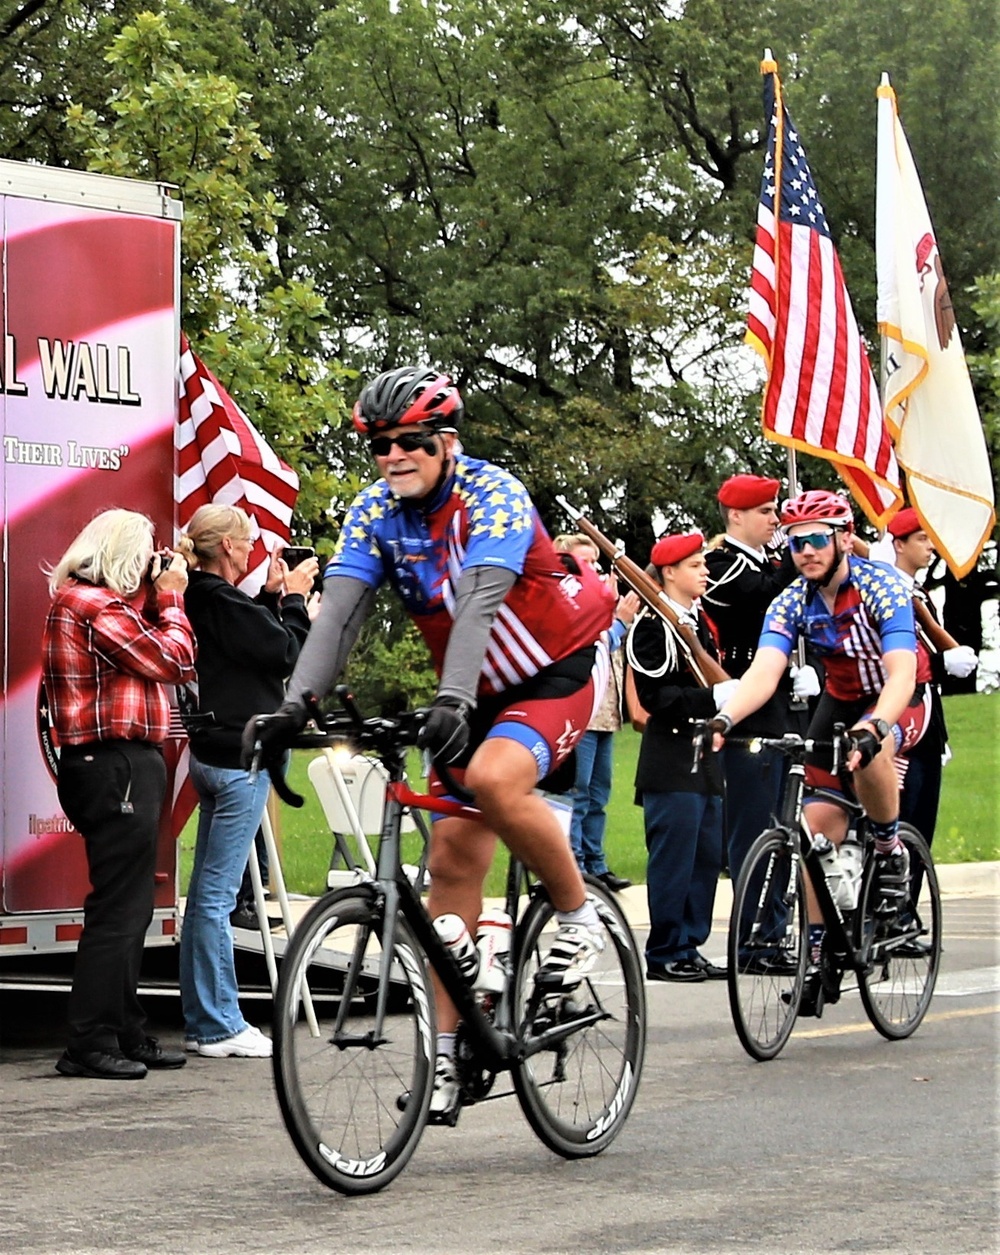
(457, 790)
(282, 788)
(346, 699)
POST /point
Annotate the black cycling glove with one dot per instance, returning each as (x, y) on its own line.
(275, 733)
(445, 733)
(866, 743)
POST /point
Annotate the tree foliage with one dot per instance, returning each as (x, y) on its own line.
(554, 202)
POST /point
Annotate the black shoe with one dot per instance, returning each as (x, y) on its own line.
(893, 873)
(102, 1065)
(246, 917)
(813, 998)
(151, 1053)
(615, 883)
(769, 963)
(712, 970)
(681, 970)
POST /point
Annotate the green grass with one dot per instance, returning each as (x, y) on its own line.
(967, 831)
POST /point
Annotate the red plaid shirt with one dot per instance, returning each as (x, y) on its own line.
(104, 663)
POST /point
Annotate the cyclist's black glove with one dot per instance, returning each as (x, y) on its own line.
(866, 743)
(275, 733)
(445, 733)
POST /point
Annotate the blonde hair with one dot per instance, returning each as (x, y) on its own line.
(114, 549)
(201, 542)
(566, 542)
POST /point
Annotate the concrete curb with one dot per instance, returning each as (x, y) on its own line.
(957, 880)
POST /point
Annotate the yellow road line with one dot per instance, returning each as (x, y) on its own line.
(937, 1017)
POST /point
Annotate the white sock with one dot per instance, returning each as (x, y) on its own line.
(585, 915)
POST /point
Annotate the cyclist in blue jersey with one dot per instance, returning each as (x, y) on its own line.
(515, 634)
(857, 616)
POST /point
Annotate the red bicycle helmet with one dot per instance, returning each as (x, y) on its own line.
(408, 394)
(818, 506)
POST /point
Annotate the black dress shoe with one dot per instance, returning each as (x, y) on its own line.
(246, 917)
(102, 1065)
(712, 970)
(151, 1053)
(681, 970)
(615, 883)
(769, 963)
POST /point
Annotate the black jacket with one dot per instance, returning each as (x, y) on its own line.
(672, 699)
(740, 589)
(246, 650)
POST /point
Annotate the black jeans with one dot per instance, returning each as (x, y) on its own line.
(113, 793)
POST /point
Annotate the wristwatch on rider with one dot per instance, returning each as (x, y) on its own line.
(882, 729)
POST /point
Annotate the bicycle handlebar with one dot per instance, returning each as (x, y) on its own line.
(383, 734)
(791, 744)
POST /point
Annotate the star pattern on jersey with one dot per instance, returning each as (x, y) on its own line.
(503, 504)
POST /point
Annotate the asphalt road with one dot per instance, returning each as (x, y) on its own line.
(845, 1143)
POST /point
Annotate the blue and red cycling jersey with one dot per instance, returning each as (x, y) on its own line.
(481, 516)
(872, 615)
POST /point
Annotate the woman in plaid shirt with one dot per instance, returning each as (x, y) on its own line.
(106, 658)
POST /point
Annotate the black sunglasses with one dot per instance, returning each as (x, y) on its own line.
(407, 441)
(818, 540)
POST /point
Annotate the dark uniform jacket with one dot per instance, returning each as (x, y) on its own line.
(741, 586)
(673, 699)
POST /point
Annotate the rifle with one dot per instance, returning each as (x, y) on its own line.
(705, 669)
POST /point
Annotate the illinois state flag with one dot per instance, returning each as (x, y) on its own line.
(928, 397)
(821, 395)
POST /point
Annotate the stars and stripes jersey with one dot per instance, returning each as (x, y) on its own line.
(482, 516)
(872, 615)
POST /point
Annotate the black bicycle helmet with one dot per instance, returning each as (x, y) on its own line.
(408, 394)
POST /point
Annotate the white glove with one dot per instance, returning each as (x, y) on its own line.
(723, 691)
(960, 661)
(805, 682)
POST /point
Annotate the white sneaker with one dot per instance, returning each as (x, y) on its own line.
(191, 1045)
(444, 1106)
(574, 951)
(248, 1044)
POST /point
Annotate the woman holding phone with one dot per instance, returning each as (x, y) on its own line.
(246, 650)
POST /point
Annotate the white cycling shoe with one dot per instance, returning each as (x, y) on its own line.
(574, 952)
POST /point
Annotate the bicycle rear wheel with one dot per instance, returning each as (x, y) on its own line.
(898, 982)
(339, 1086)
(767, 944)
(577, 1094)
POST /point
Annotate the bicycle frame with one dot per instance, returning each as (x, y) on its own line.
(497, 1042)
(793, 820)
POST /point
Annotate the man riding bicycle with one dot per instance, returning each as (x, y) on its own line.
(516, 639)
(857, 616)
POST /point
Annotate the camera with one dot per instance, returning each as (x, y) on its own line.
(165, 556)
(294, 554)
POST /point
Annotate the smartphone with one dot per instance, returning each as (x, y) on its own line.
(294, 554)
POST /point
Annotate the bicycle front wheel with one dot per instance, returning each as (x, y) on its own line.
(767, 946)
(577, 1093)
(353, 1094)
(898, 981)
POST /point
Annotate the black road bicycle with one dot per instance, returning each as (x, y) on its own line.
(895, 959)
(354, 1029)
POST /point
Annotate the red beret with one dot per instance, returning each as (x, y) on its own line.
(904, 523)
(669, 550)
(743, 492)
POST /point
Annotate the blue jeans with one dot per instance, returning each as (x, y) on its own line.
(231, 807)
(684, 840)
(591, 791)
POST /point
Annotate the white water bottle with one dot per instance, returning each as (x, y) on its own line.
(453, 932)
(493, 936)
(828, 856)
(852, 858)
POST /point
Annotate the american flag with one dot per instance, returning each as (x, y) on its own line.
(821, 396)
(221, 457)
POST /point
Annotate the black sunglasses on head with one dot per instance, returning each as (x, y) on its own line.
(407, 442)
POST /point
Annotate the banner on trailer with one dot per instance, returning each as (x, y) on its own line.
(88, 308)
